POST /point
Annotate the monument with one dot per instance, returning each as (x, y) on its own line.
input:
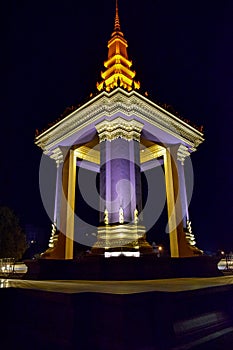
(120, 133)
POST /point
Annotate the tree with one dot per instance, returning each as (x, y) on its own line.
(12, 239)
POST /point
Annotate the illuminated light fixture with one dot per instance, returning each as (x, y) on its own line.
(118, 72)
(54, 236)
(116, 254)
(189, 235)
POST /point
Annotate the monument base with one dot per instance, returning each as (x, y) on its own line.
(97, 267)
(121, 238)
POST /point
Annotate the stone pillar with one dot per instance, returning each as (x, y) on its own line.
(177, 203)
(69, 182)
(171, 199)
(61, 241)
(120, 184)
(58, 157)
(182, 153)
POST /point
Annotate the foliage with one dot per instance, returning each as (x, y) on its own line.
(12, 239)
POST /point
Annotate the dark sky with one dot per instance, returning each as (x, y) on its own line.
(52, 53)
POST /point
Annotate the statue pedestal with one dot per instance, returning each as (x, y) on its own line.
(122, 238)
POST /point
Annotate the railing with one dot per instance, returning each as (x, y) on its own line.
(9, 268)
(226, 263)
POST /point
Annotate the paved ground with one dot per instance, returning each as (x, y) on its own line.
(120, 287)
(119, 299)
(223, 342)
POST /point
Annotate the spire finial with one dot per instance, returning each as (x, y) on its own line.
(118, 67)
(117, 26)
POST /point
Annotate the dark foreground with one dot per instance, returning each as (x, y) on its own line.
(185, 313)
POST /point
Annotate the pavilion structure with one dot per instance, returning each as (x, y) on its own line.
(120, 133)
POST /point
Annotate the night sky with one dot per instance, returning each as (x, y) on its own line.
(52, 53)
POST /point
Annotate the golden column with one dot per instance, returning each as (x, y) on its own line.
(61, 240)
(177, 211)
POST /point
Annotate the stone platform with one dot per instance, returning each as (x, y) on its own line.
(95, 267)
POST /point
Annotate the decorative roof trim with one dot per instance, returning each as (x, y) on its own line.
(129, 103)
(110, 130)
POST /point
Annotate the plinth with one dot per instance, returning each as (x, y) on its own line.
(122, 238)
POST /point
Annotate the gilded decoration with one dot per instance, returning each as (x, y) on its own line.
(118, 67)
(108, 104)
(109, 130)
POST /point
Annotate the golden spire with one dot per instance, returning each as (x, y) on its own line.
(118, 72)
(117, 26)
